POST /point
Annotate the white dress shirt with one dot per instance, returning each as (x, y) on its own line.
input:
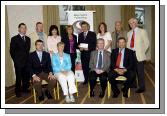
(131, 33)
(122, 58)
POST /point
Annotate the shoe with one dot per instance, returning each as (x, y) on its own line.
(102, 94)
(85, 82)
(115, 95)
(41, 98)
(47, 93)
(67, 98)
(140, 91)
(92, 94)
(18, 94)
(72, 98)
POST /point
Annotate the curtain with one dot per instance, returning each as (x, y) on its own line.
(98, 16)
(50, 17)
(127, 12)
(9, 70)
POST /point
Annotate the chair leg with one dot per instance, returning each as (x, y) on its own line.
(54, 90)
(76, 83)
(34, 93)
(88, 90)
(58, 90)
(129, 92)
(109, 89)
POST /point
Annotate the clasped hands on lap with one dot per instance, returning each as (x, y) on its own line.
(120, 71)
(37, 79)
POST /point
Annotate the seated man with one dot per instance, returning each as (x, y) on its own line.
(41, 69)
(122, 64)
(99, 65)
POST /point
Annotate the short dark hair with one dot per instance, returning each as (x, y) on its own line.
(121, 38)
(21, 25)
(52, 27)
(38, 23)
(105, 27)
(38, 41)
(84, 23)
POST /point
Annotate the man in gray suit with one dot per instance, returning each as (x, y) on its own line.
(99, 67)
(118, 32)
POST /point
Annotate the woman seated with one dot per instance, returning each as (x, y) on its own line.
(61, 64)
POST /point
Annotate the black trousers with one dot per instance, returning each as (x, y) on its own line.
(140, 75)
(85, 58)
(112, 75)
(73, 57)
(22, 78)
(103, 80)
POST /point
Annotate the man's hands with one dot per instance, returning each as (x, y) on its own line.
(120, 71)
(51, 76)
(98, 71)
(36, 78)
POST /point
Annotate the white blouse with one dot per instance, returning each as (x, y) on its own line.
(106, 37)
(52, 43)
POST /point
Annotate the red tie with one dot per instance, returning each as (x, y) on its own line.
(132, 40)
(118, 59)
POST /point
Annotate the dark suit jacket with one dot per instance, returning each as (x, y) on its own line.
(36, 67)
(19, 50)
(90, 40)
(128, 62)
(65, 39)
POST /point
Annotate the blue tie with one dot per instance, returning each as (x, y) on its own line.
(40, 56)
(99, 66)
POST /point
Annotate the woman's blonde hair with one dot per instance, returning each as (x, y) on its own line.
(60, 43)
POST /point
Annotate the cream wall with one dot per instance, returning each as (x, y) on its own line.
(28, 14)
(112, 13)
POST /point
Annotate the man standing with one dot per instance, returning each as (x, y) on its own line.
(39, 34)
(86, 44)
(139, 43)
(122, 64)
(41, 69)
(19, 51)
(119, 32)
(99, 67)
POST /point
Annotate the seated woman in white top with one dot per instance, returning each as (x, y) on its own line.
(61, 64)
(105, 35)
(53, 39)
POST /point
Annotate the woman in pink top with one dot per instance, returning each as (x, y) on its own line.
(53, 39)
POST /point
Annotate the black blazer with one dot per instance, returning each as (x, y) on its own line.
(66, 41)
(19, 50)
(36, 67)
(128, 62)
(90, 40)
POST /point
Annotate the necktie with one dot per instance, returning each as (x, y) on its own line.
(99, 66)
(84, 35)
(40, 56)
(23, 37)
(132, 40)
(119, 59)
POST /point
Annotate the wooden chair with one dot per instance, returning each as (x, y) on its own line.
(119, 78)
(58, 92)
(43, 83)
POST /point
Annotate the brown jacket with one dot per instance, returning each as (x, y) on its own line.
(106, 60)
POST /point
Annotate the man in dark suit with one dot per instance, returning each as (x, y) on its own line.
(99, 67)
(122, 64)
(41, 69)
(19, 51)
(88, 38)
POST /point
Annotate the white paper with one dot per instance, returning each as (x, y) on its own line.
(83, 45)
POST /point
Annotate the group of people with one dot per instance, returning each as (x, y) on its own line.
(107, 55)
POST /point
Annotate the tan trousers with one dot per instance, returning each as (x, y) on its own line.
(38, 85)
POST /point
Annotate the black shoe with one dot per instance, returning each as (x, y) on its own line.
(18, 94)
(41, 98)
(115, 95)
(125, 94)
(92, 94)
(85, 82)
(47, 93)
(123, 89)
(102, 94)
(140, 91)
